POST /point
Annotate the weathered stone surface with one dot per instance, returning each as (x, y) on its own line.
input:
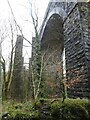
(75, 35)
(17, 81)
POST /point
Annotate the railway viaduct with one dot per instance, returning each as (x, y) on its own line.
(65, 43)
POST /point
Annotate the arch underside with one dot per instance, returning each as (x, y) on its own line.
(52, 46)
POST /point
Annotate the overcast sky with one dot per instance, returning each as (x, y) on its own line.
(21, 12)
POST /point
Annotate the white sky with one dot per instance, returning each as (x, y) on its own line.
(21, 12)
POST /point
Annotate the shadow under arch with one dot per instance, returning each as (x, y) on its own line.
(52, 50)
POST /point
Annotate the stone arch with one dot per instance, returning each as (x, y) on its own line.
(52, 47)
(75, 24)
(56, 10)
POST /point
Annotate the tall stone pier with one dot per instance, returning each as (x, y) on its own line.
(17, 80)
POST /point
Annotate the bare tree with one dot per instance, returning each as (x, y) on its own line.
(38, 62)
(7, 76)
(3, 35)
(19, 30)
(36, 55)
(11, 58)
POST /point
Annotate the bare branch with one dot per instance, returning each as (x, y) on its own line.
(17, 26)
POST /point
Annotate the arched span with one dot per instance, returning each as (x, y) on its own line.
(53, 34)
(75, 24)
(52, 47)
(56, 10)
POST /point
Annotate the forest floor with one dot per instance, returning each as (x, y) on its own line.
(47, 109)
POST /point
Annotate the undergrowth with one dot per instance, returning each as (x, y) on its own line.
(70, 109)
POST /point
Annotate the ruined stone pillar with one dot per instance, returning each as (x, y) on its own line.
(17, 81)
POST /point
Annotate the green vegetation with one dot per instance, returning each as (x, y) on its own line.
(47, 109)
